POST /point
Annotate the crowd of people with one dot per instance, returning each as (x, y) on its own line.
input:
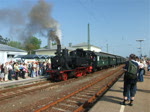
(16, 70)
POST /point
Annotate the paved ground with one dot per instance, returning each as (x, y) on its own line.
(111, 100)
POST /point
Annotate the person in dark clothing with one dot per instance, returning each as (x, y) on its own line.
(10, 71)
(16, 69)
(2, 77)
(130, 84)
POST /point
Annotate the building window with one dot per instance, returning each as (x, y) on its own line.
(10, 56)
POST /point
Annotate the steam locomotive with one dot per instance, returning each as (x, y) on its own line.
(80, 62)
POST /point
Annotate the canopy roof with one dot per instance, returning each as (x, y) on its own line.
(4, 47)
(33, 56)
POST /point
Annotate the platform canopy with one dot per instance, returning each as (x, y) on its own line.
(33, 56)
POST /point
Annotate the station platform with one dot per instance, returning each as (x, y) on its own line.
(110, 102)
(21, 81)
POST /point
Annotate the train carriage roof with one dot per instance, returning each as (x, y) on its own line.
(104, 54)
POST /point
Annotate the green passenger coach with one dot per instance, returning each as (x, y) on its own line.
(104, 60)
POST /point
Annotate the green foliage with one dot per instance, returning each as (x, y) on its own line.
(32, 44)
(45, 46)
(15, 44)
(54, 43)
(4, 40)
(148, 58)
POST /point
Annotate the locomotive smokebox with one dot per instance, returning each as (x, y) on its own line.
(58, 50)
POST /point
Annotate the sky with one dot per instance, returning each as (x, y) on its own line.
(115, 25)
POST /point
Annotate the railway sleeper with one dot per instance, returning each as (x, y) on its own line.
(92, 92)
(78, 98)
(83, 95)
(65, 107)
(68, 100)
(71, 103)
(59, 109)
(68, 105)
(89, 94)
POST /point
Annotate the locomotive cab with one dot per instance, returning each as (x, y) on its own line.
(79, 58)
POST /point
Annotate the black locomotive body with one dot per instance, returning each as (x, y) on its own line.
(79, 62)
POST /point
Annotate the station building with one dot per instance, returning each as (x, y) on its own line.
(84, 46)
(51, 50)
(7, 53)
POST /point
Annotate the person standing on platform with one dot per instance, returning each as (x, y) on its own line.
(6, 71)
(145, 66)
(130, 79)
(141, 72)
(16, 69)
(2, 73)
(10, 71)
(24, 70)
(148, 67)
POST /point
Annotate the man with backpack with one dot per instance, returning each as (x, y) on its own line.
(130, 79)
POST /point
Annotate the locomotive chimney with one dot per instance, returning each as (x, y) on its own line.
(58, 50)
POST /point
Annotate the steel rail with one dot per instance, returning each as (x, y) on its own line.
(27, 91)
(102, 90)
(79, 90)
(24, 86)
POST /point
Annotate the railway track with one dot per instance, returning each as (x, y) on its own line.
(25, 89)
(16, 91)
(80, 99)
(62, 96)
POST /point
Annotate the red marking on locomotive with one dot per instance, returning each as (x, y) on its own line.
(64, 74)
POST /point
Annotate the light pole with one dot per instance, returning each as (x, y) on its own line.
(140, 40)
(107, 47)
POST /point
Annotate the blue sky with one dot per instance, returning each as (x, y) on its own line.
(118, 23)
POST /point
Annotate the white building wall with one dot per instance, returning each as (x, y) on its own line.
(91, 48)
(51, 53)
(95, 49)
(3, 57)
(17, 53)
(85, 48)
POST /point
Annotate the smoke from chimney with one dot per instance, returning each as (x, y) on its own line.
(41, 21)
(37, 21)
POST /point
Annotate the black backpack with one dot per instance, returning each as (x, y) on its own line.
(132, 70)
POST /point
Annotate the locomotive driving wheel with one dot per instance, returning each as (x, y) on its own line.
(84, 72)
(64, 76)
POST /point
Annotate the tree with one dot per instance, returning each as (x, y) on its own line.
(15, 44)
(53, 43)
(4, 40)
(31, 44)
